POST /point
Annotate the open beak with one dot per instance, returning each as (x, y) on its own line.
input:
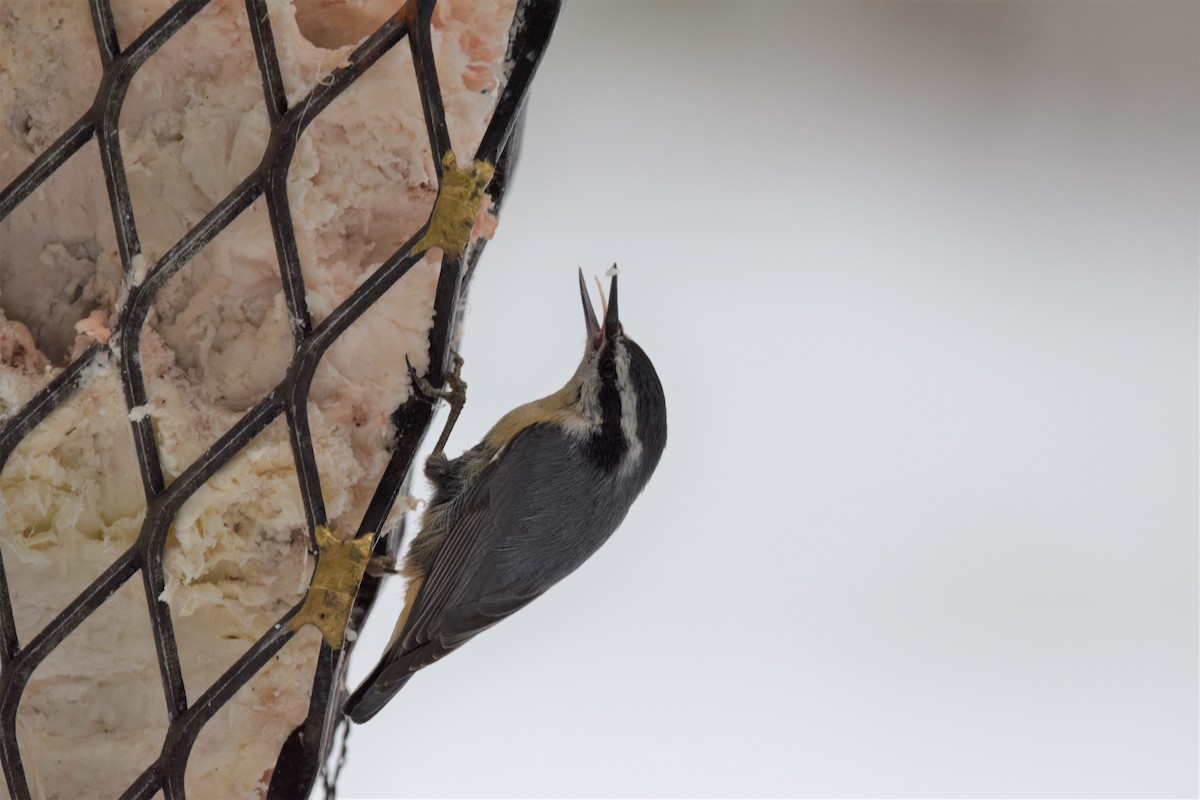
(612, 323)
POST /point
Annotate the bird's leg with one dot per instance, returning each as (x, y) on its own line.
(455, 395)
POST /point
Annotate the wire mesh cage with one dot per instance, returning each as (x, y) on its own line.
(338, 594)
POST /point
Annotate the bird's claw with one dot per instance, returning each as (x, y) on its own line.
(455, 394)
(379, 566)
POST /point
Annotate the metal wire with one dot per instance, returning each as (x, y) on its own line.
(304, 751)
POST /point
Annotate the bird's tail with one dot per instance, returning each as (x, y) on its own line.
(372, 695)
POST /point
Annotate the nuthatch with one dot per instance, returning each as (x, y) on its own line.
(526, 506)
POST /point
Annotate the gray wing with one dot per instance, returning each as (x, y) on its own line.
(531, 517)
(469, 589)
(456, 601)
(448, 610)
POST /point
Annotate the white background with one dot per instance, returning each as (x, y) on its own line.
(921, 284)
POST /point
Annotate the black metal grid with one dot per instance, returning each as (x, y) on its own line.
(304, 751)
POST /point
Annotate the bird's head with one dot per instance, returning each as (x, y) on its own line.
(619, 392)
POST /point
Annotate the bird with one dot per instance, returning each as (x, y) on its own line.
(524, 508)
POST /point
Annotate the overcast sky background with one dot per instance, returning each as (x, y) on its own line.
(921, 284)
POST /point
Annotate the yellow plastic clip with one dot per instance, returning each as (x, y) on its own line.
(340, 567)
(459, 199)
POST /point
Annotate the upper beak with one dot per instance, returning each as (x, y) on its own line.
(612, 323)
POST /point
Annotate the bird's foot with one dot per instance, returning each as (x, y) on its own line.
(379, 566)
(455, 394)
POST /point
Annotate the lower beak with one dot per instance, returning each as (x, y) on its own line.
(595, 335)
